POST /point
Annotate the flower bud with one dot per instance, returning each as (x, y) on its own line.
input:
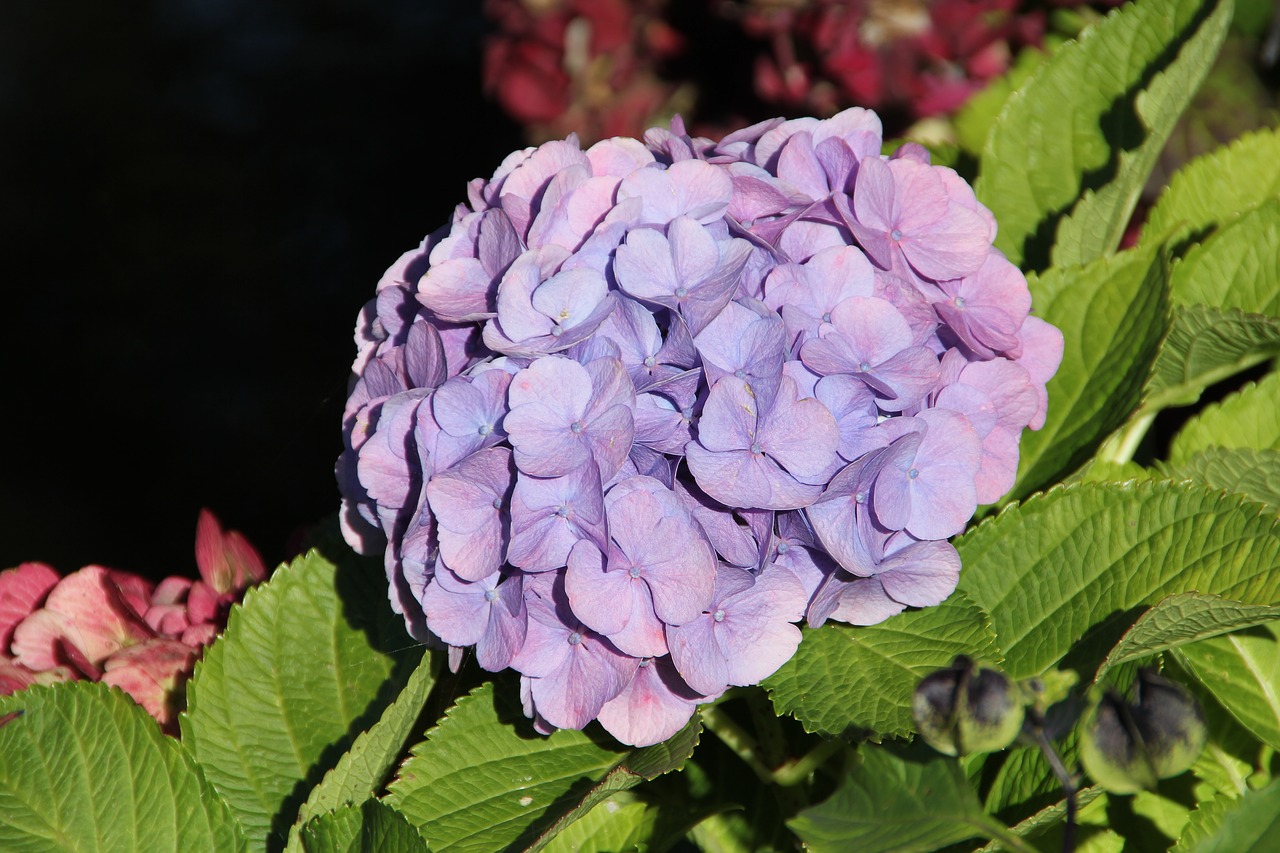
(966, 709)
(1127, 747)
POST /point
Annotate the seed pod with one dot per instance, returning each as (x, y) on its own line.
(1127, 747)
(966, 709)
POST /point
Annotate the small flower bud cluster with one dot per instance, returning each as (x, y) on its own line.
(639, 408)
(118, 628)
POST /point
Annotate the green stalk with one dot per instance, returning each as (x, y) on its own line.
(738, 739)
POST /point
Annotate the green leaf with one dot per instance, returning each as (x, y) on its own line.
(891, 802)
(1206, 345)
(857, 681)
(1065, 574)
(1237, 267)
(1098, 221)
(1202, 823)
(367, 827)
(84, 768)
(626, 822)
(1150, 820)
(619, 823)
(1231, 753)
(1242, 671)
(973, 122)
(1019, 782)
(484, 780)
(1252, 473)
(1112, 316)
(1047, 818)
(1183, 618)
(1220, 185)
(1249, 824)
(1073, 146)
(280, 697)
(1098, 470)
(360, 774)
(1248, 418)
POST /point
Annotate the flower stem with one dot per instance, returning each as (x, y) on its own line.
(800, 769)
(1068, 786)
(1121, 446)
(738, 739)
(783, 773)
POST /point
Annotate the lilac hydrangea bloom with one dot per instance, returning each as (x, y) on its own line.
(636, 410)
(549, 515)
(688, 270)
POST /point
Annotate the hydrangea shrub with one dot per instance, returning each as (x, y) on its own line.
(641, 407)
(699, 440)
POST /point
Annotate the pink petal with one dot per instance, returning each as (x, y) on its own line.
(22, 590)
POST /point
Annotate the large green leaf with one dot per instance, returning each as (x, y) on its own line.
(1237, 267)
(84, 768)
(1248, 418)
(1242, 671)
(368, 765)
(1019, 782)
(1252, 473)
(484, 780)
(892, 802)
(1220, 185)
(858, 681)
(367, 827)
(1112, 316)
(1249, 824)
(1183, 618)
(1098, 221)
(1047, 818)
(301, 670)
(1064, 574)
(1206, 345)
(974, 120)
(1204, 821)
(1073, 146)
(626, 822)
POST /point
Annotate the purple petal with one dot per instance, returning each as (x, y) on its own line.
(549, 515)
(653, 707)
(799, 434)
(470, 504)
(864, 602)
(740, 478)
(921, 574)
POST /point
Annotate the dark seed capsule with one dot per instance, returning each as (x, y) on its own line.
(966, 709)
(1127, 747)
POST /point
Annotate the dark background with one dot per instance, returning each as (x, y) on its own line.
(196, 198)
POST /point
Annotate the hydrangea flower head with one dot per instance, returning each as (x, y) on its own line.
(639, 409)
(119, 628)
